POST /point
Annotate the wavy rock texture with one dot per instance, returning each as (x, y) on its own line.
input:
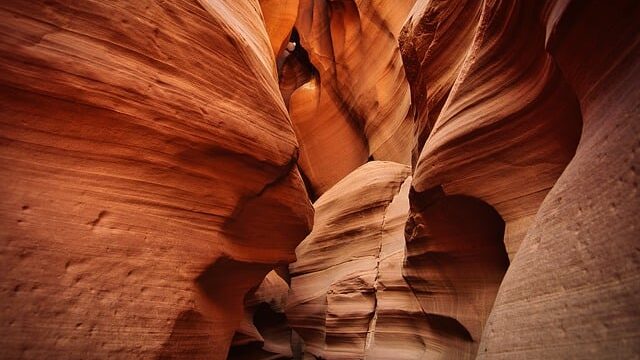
(473, 166)
(309, 105)
(146, 155)
(434, 44)
(279, 17)
(368, 97)
(507, 129)
(347, 292)
(573, 289)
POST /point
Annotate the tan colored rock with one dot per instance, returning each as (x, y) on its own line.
(348, 299)
(398, 328)
(148, 176)
(508, 127)
(573, 288)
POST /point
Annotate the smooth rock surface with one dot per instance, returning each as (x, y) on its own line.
(507, 129)
(472, 166)
(264, 332)
(366, 95)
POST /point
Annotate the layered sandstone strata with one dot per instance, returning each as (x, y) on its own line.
(573, 289)
(355, 105)
(145, 155)
(157, 162)
(502, 123)
(348, 299)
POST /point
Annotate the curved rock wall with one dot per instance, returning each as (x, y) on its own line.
(573, 287)
(434, 43)
(145, 156)
(344, 265)
(508, 127)
(366, 97)
(473, 166)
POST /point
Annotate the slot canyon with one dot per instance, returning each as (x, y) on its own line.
(320, 179)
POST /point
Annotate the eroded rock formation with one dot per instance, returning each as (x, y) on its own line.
(508, 127)
(346, 286)
(264, 332)
(472, 167)
(353, 97)
(573, 287)
(146, 154)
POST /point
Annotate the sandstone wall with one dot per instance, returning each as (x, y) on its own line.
(145, 156)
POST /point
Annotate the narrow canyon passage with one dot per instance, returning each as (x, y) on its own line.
(319, 179)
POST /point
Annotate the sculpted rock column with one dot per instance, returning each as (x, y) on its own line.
(434, 45)
(148, 176)
(348, 299)
(573, 289)
(508, 127)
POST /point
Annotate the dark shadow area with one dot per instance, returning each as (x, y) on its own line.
(455, 262)
(190, 338)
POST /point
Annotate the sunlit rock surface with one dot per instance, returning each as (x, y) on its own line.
(358, 98)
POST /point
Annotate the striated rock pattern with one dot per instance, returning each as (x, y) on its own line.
(508, 127)
(145, 156)
(573, 289)
(510, 123)
(354, 106)
(347, 292)
(434, 44)
(353, 45)
(472, 167)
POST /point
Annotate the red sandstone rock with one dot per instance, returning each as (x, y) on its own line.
(573, 289)
(154, 157)
(359, 86)
(146, 155)
(348, 299)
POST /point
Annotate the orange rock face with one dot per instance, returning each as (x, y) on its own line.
(356, 106)
(319, 179)
(573, 287)
(145, 157)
